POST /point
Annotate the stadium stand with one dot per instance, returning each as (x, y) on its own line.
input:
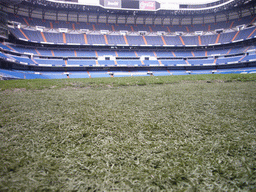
(138, 27)
(81, 62)
(116, 39)
(72, 45)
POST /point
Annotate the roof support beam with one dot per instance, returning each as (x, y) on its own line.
(171, 21)
(77, 18)
(43, 14)
(227, 17)
(162, 20)
(15, 9)
(117, 19)
(87, 17)
(107, 17)
(180, 20)
(252, 9)
(239, 13)
(135, 19)
(125, 20)
(144, 20)
(57, 15)
(98, 16)
(30, 11)
(154, 20)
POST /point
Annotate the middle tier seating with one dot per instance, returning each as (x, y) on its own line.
(129, 62)
(122, 53)
(83, 57)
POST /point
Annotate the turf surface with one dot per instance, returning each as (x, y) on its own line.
(129, 134)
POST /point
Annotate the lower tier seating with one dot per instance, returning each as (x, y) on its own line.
(64, 57)
(19, 74)
(127, 53)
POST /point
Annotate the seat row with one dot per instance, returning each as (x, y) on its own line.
(18, 74)
(132, 40)
(122, 53)
(51, 24)
(119, 61)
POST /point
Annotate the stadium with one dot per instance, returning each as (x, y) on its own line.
(178, 113)
(52, 39)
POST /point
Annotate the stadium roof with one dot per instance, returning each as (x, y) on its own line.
(160, 1)
(186, 1)
(185, 14)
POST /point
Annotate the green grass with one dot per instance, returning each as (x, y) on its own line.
(117, 82)
(176, 133)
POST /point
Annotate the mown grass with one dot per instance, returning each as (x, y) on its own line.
(121, 81)
(187, 133)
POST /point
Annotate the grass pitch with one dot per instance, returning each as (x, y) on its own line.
(182, 133)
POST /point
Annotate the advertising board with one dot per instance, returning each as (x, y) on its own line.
(112, 3)
(148, 5)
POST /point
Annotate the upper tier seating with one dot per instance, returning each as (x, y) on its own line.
(115, 39)
(75, 38)
(208, 39)
(135, 40)
(129, 27)
(154, 40)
